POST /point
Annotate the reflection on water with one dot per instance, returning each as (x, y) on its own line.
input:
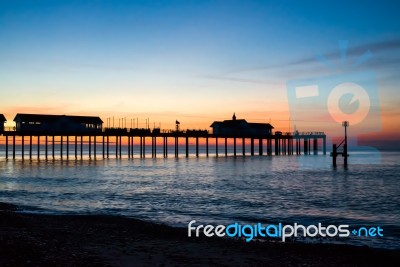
(276, 189)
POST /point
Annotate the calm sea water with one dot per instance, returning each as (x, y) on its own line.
(287, 189)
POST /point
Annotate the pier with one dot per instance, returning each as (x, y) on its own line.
(134, 143)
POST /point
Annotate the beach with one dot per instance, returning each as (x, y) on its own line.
(99, 240)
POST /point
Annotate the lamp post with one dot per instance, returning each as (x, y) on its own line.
(345, 124)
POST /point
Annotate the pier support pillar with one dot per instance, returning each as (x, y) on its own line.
(334, 155)
(176, 147)
(234, 147)
(244, 147)
(187, 147)
(90, 147)
(6, 146)
(207, 146)
(61, 147)
(103, 150)
(129, 147)
(46, 147)
(81, 147)
(305, 147)
(252, 146)
(52, 146)
(38, 147)
(260, 147)
(197, 146)
(23, 147)
(76, 147)
(13, 146)
(216, 147)
(120, 147)
(94, 147)
(67, 147)
(226, 147)
(30, 147)
(315, 146)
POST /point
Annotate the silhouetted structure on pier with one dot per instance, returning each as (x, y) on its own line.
(2, 121)
(239, 128)
(57, 123)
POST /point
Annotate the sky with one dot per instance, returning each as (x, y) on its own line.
(199, 61)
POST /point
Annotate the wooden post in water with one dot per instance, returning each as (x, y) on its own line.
(176, 147)
(46, 146)
(216, 147)
(132, 147)
(129, 147)
(315, 146)
(6, 146)
(207, 146)
(61, 146)
(13, 146)
(90, 147)
(166, 146)
(94, 146)
(108, 146)
(116, 146)
(226, 147)
(23, 147)
(305, 147)
(260, 147)
(67, 147)
(120, 146)
(81, 147)
(155, 146)
(30, 147)
(144, 146)
(76, 147)
(244, 146)
(334, 155)
(197, 146)
(103, 151)
(345, 125)
(252, 146)
(234, 147)
(187, 146)
(38, 147)
(52, 146)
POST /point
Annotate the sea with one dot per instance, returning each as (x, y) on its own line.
(304, 189)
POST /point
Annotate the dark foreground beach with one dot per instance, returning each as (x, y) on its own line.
(59, 240)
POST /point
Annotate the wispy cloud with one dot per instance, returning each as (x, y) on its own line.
(390, 47)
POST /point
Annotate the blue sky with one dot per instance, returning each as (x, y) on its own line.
(194, 60)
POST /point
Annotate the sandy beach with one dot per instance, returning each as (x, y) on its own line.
(94, 240)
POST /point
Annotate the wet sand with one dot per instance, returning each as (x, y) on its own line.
(94, 240)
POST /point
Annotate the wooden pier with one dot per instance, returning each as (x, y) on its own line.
(130, 143)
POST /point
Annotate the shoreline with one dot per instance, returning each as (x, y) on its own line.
(103, 240)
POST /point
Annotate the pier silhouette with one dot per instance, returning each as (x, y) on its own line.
(75, 136)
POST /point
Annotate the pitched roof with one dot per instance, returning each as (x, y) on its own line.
(2, 118)
(261, 125)
(53, 118)
(229, 123)
(235, 123)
